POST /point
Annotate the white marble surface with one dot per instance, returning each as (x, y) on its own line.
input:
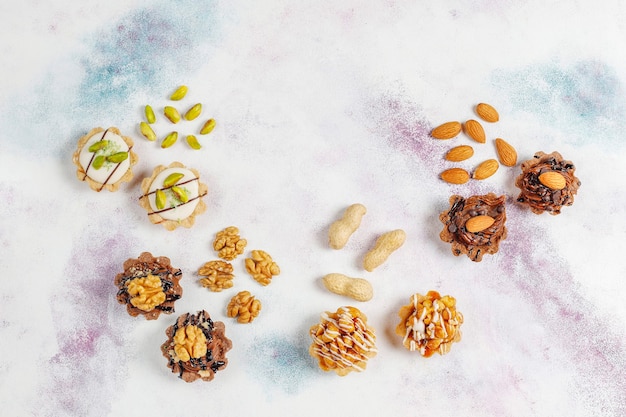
(318, 105)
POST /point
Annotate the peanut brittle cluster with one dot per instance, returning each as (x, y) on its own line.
(430, 324)
(342, 341)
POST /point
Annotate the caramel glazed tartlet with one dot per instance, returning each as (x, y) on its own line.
(474, 226)
(547, 183)
(149, 286)
(196, 347)
(104, 159)
(172, 196)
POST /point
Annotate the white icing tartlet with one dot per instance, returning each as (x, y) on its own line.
(172, 196)
(104, 159)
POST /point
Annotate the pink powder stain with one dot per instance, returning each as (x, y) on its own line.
(592, 345)
(84, 372)
(594, 348)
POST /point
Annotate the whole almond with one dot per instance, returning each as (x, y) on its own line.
(506, 153)
(447, 130)
(478, 223)
(460, 153)
(455, 176)
(475, 130)
(553, 180)
(487, 112)
(486, 169)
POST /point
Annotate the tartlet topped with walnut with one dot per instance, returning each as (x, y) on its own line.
(172, 196)
(196, 347)
(149, 286)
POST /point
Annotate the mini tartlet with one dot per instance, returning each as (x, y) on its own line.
(172, 196)
(547, 183)
(196, 347)
(104, 159)
(149, 286)
(474, 225)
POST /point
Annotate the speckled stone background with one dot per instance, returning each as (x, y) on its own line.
(318, 105)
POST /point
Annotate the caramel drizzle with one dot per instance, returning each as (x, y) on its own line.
(93, 156)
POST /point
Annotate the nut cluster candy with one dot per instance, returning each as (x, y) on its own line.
(342, 341)
(429, 324)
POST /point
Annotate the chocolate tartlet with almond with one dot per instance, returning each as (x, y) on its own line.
(196, 347)
(149, 286)
(475, 225)
(547, 183)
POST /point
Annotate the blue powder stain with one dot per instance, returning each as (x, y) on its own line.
(585, 99)
(281, 363)
(148, 49)
(145, 44)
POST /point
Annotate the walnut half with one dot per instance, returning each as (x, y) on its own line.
(229, 244)
(262, 267)
(190, 342)
(146, 293)
(216, 275)
(244, 306)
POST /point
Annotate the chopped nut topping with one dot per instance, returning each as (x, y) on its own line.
(229, 244)
(190, 342)
(430, 324)
(262, 267)
(244, 306)
(342, 341)
(146, 292)
(217, 275)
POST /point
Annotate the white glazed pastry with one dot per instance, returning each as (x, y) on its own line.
(172, 196)
(104, 159)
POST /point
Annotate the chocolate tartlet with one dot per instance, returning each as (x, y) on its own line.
(474, 226)
(547, 183)
(196, 347)
(149, 286)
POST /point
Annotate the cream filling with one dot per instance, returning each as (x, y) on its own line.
(116, 144)
(176, 209)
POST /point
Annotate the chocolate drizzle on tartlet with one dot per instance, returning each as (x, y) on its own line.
(142, 267)
(474, 244)
(539, 197)
(206, 366)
